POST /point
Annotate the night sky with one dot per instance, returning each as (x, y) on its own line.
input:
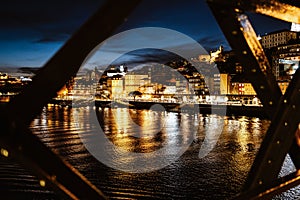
(32, 31)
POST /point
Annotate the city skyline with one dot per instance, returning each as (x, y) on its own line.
(163, 109)
(33, 31)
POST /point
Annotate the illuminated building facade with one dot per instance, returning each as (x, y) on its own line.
(278, 38)
(132, 82)
(295, 27)
(285, 61)
(221, 84)
(283, 50)
(115, 86)
(242, 88)
(224, 84)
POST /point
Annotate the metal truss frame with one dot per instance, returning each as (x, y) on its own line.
(18, 141)
(283, 110)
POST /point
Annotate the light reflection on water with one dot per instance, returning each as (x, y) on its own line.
(219, 175)
(146, 130)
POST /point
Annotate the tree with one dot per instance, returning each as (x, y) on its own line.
(135, 93)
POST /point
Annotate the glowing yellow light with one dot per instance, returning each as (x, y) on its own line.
(237, 10)
(4, 152)
(42, 183)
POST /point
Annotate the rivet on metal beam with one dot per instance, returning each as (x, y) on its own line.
(53, 177)
(42, 183)
(4, 152)
(237, 10)
(278, 142)
(269, 161)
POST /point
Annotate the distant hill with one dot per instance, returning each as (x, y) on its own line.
(30, 70)
(19, 71)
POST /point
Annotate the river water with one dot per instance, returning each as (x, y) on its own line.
(218, 175)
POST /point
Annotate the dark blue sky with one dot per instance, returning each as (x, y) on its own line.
(32, 31)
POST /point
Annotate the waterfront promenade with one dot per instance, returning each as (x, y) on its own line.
(229, 108)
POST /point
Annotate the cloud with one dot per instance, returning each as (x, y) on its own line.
(49, 38)
(45, 17)
(48, 24)
(213, 42)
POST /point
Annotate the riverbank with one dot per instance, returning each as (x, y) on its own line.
(202, 108)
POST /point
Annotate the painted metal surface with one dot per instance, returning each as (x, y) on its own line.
(282, 109)
(18, 141)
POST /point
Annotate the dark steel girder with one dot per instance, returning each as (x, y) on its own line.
(278, 186)
(284, 10)
(67, 61)
(279, 140)
(282, 110)
(17, 140)
(21, 143)
(242, 39)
